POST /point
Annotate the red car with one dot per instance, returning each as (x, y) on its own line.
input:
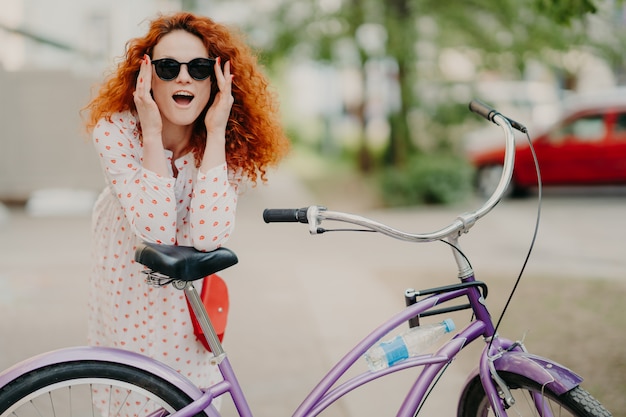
(586, 147)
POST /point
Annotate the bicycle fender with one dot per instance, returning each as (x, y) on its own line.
(545, 372)
(105, 355)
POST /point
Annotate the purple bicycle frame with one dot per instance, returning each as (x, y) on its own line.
(501, 355)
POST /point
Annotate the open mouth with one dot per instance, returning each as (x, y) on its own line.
(183, 97)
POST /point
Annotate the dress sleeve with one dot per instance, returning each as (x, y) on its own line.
(213, 208)
(147, 199)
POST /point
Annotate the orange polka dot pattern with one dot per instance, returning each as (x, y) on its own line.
(193, 209)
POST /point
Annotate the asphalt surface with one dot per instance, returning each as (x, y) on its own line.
(299, 302)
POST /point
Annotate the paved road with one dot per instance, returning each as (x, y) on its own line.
(299, 302)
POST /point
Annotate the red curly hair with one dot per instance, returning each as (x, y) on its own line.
(255, 138)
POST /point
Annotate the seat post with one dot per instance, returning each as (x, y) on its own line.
(205, 323)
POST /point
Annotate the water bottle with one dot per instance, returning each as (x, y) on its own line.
(411, 343)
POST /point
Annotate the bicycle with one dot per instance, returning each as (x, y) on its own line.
(508, 380)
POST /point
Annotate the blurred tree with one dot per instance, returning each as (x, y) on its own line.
(503, 34)
(564, 11)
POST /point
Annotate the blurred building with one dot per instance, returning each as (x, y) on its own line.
(68, 35)
(41, 135)
(52, 53)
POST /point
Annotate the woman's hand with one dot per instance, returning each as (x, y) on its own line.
(150, 119)
(147, 109)
(217, 116)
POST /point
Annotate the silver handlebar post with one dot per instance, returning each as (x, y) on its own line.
(507, 170)
(462, 224)
(464, 268)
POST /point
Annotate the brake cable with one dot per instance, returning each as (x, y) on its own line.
(533, 240)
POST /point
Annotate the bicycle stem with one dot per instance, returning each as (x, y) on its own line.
(463, 265)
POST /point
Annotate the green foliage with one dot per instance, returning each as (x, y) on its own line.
(563, 11)
(450, 114)
(440, 178)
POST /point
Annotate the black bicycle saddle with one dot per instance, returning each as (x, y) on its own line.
(184, 263)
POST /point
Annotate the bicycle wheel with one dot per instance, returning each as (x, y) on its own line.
(529, 399)
(90, 388)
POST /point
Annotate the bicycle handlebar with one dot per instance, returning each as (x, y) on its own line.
(314, 215)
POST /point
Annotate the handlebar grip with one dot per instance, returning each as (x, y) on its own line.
(482, 109)
(285, 215)
(489, 113)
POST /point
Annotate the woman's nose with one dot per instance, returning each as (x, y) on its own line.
(183, 74)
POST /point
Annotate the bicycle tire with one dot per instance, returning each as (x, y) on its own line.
(90, 388)
(575, 403)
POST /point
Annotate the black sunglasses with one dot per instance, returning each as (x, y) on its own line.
(200, 68)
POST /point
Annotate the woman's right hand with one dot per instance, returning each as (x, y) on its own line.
(147, 109)
(150, 120)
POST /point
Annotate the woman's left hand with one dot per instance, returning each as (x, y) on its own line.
(217, 116)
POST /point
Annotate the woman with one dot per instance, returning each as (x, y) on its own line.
(183, 119)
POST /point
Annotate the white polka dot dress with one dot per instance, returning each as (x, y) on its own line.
(193, 209)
